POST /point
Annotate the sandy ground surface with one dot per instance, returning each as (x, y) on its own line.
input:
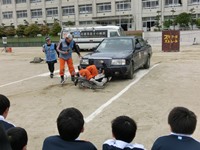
(36, 100)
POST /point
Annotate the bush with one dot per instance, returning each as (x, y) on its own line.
(55, 29)
(44, 30)
(168, 23)
(10, 31)
(20, 30)
(32, 30)
(183, 19)
(2, 31)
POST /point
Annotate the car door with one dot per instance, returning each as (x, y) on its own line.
(143, 51)
(138, 53)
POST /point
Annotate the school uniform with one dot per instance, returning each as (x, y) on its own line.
(113, 144)
(5, 123)
(176, 142)
(57, 143)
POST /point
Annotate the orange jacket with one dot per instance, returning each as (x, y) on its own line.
(93, 70)
(85, 73)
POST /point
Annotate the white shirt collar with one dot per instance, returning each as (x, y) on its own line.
(121, 144)
(177, 134)
(2, 117)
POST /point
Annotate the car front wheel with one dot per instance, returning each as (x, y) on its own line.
(147, 64)
(131, 71)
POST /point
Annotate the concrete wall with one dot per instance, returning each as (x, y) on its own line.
(186, 37)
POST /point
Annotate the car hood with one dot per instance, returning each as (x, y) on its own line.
(107, 55)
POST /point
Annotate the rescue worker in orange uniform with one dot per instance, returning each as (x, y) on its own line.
(90, 73)
(65, 49)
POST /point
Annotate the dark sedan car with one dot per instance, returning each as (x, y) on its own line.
(122, 56)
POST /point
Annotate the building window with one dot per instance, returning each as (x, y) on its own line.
(20, 1)
(6, 2)
(150, 4)
(36, 13)
(22, 14)
(103, 7)
(85, 22)
(68, 10)
(35, 1)
(173, 3)
(194, 2)
(7, 15)
(85, 9)
(123, 6)
(52, 12)
(148, 22)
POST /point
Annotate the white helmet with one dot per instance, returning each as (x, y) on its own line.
(69, 36)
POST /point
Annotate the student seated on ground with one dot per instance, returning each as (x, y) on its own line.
(124, 131)
(70, 124)
(92, 74)
(18, 138)
(4, 109)
(182, 123)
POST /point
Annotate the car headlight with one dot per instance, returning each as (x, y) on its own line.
(84, 62)
(118, 62)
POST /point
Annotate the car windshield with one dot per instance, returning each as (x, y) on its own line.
(116, 45)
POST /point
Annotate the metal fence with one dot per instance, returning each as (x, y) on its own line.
(27, 42)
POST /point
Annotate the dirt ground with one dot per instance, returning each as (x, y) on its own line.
(36, 100)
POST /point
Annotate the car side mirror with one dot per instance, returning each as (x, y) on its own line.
(137, 46)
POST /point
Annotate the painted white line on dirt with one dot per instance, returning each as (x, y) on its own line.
(29, 78)
(138, 77)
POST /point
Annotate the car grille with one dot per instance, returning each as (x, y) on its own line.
(98, 62)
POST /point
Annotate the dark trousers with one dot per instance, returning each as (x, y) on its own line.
(51, 65)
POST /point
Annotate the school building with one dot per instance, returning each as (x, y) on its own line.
(130, 14)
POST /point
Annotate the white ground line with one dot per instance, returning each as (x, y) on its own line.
(29, 78)
(138, 77)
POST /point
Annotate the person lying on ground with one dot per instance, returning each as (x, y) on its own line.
(92, 74)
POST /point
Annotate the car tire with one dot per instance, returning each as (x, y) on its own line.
(147, 63)
(131, 71)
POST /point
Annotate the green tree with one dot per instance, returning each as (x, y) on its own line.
(2, 31)
(55, 29)
(192, 19)
(20, 30)
(69, 23)
(32, 30)
(26, 22)
(168, 23)
(198, 23)
(44, 30)
(183, 19)
(10, 31)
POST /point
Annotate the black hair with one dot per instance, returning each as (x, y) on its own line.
(4, 104)
(4, 143)
(79, 67)
(70, 123)
(124, 128)
(17, 137)
(47, 38)
(182, 120)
